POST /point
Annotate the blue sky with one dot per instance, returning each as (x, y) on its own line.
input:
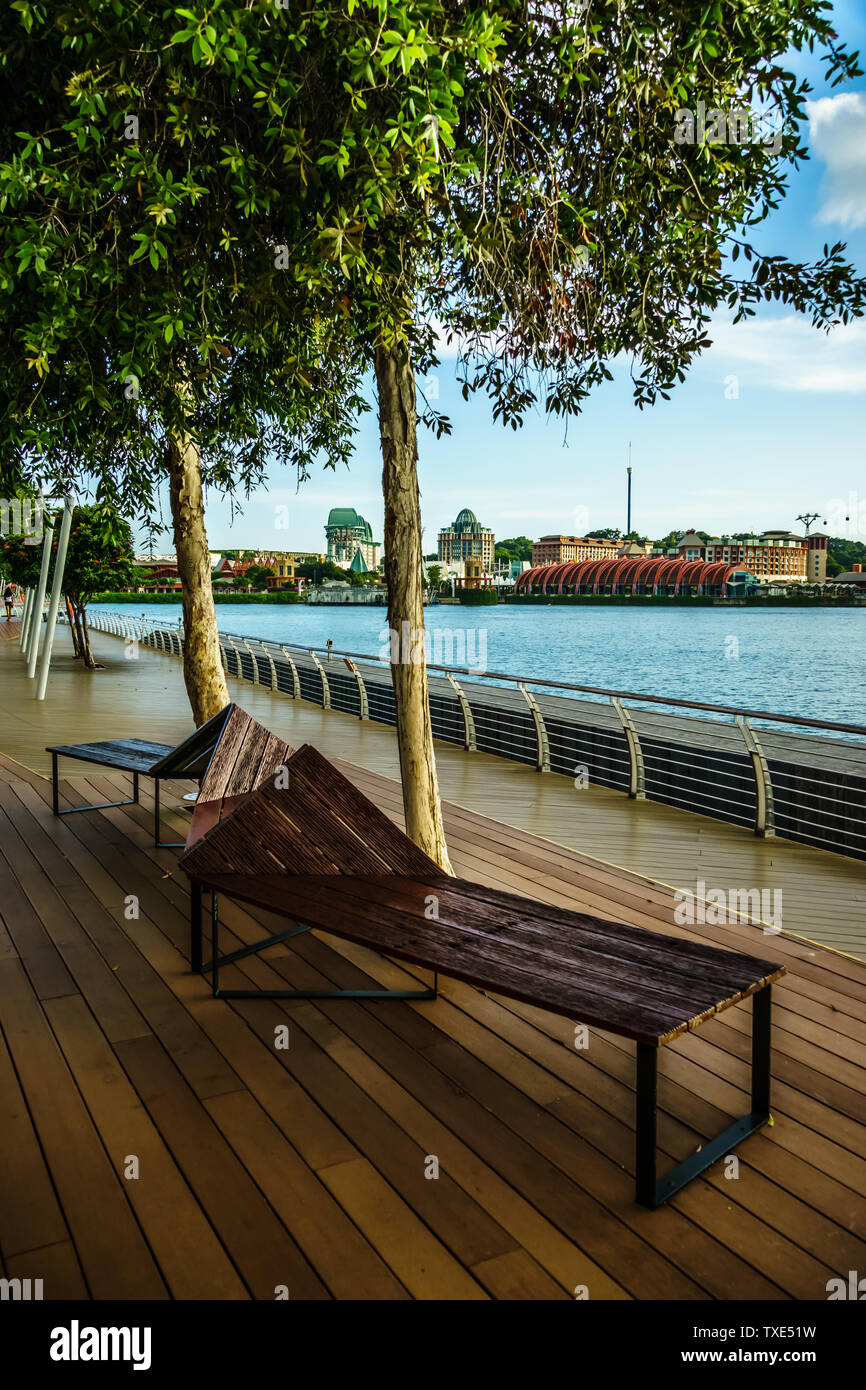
(770, 422)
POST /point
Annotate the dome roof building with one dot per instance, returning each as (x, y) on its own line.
(466, 539)
(349, 534)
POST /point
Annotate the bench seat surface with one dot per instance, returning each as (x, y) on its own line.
(128, 754)
(631, 981)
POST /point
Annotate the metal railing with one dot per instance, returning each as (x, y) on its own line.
(808, 786)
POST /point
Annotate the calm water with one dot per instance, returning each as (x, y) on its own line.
(791, 661)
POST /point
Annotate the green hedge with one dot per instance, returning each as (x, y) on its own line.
(281, 596)
(477, 598)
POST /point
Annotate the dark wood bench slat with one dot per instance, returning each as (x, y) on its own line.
(658, 996)
(551, 925)
(647, 961)
(127, 755)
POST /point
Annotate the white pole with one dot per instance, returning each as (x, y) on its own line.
(54, 605)
(28, 632)
(25, 614)
(34, 629)
(33, 647)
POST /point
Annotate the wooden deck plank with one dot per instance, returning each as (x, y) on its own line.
(30, 1215)
(56, 1265)
(191, 1259)
(265, 1254)
(113, 1253)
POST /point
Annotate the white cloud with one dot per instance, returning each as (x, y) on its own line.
(837, 127)
(788, 354)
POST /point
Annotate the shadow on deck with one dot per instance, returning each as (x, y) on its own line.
(161, 1143)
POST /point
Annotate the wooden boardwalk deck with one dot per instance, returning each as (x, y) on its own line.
(158, 1143)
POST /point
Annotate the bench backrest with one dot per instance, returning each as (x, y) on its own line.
(305, 818)
(191, 758)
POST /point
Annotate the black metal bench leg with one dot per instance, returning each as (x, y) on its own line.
(646, 1113)
(162, 844)
(652, 1192)
(761, 1007)
(213, 965)
(91, 806)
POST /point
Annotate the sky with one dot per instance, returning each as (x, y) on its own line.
(769, 424)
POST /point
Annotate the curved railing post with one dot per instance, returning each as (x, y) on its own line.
(469, 740)
(542, 761)
(362, 689)
(636, 776)
(765, 820)
(239, 670)
(326, 689)
(296, 681)
(252, 655)
(269, 654)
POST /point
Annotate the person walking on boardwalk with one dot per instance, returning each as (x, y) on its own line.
(9, 599)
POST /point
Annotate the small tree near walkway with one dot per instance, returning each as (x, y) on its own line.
(99, 558)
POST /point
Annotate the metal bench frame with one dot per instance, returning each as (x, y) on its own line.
(213, 965)
(651, 1191)
(107, 805)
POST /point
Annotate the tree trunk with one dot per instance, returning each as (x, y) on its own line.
(86, 649)
(202, 660)
(397, 430)
(73, 630)
(79, 635)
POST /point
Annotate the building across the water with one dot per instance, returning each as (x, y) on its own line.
(466, 539)
(348, 534)
(284, 564)
(552, 550)
(774, 557)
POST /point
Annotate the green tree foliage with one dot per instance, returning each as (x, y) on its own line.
(516, 548)
(258, 575)
(843, 554)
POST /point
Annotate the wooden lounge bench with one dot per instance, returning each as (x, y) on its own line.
(305, 844)
(160, 761)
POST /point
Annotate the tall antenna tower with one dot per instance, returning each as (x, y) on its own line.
(628, 504)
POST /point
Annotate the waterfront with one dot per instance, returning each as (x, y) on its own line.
(792, 661)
